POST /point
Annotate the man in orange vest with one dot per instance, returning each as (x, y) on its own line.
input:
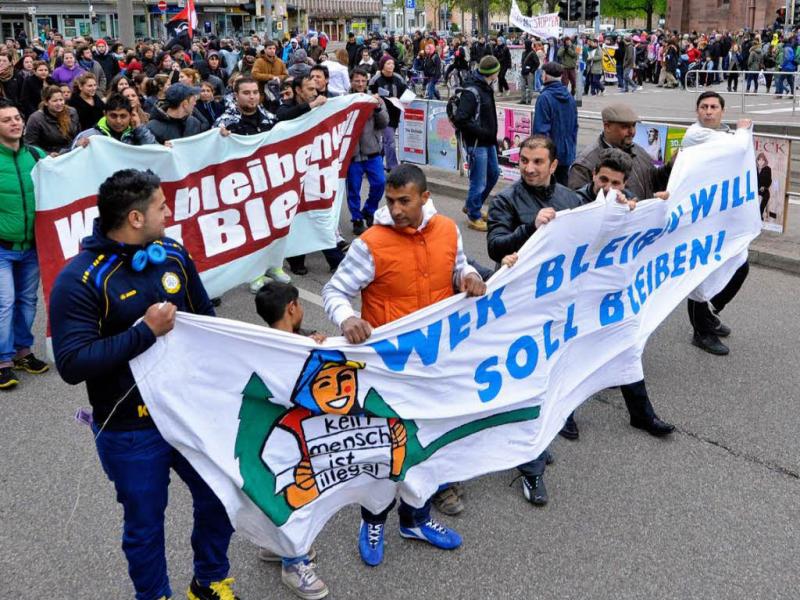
(410, 258)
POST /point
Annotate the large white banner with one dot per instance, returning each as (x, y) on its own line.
(287, 432)
(543, 26)
(239, 203)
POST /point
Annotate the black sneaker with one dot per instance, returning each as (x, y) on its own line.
(8, 379)
(358, 227)
(720, 329)
(217, 590)
(710, 343)
(369, 219)
(31, 364)
(570, 429)
(534, 490)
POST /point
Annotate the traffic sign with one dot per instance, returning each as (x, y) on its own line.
(162, 5)
(411, 4)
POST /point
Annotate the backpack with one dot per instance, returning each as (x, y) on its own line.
(455, 99)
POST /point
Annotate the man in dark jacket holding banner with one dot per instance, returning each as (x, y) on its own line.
(108, 305)
(514, 216)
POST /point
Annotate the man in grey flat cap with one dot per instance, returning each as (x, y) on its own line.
(619, 127)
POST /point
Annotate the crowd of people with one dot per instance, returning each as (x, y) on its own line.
(55, 96)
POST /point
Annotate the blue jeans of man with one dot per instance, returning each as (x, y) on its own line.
(784, 78)
(389, 150)
(373, 169)
(431, 93)
(628, 84)
(535, 467)
(408, 515)
(483, 174)
(139, 462)
(19, 282)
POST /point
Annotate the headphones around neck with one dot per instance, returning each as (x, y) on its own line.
(154, 254)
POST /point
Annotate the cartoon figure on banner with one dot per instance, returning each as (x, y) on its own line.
(327, 447)
(289, 457)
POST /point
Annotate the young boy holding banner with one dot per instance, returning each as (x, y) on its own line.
(410, 247)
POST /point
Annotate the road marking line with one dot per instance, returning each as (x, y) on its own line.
(771, 111)
(310, 297)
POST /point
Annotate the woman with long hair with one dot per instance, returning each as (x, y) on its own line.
(86, 101)
(138, 115)
(119, 83)
(155, 89)
(9, 87)
(54, 126)
(31, 93)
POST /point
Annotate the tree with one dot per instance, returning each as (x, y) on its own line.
(634, 8)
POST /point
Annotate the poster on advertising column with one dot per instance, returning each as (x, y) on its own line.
(513, 126)
(413, 134)
(653, 138)
(442, 140)
(772, 166)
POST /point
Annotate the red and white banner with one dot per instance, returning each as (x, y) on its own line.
(239, 204)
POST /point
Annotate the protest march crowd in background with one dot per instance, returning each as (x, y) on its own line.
(57, 95)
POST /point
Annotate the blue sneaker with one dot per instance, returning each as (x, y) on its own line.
(370, 543)
(434, 533)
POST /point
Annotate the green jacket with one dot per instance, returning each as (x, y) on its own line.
(568, 57)
(17, 201)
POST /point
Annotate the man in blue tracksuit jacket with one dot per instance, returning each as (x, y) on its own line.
(127, 270)
(556, 116)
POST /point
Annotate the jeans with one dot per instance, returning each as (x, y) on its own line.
(597, 83)
(569, 77)
(19, 282)
(408, 515)
(628, 84)
(389, 150)
(139, 462)
(787, 79)
(700, 316)
(537, 80)
(751, 78)
(535, 467)
(373, 169)
(484, 172)
(431, 93)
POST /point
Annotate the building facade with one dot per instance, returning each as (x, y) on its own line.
(98, 18)
(721, 15)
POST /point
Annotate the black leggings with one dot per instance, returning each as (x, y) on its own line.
(502, 84)
(700, 315)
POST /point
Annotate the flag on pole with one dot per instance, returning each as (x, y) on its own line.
(180, 28)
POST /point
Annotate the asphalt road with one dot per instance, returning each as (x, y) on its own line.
(710, 513)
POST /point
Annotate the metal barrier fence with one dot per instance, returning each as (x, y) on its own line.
(693, 79)
(585, 122)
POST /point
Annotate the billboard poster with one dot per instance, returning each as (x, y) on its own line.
(442, 141)
(412, 133)
(653, 138)
(674, 138)
(772, 166)
(513, 126)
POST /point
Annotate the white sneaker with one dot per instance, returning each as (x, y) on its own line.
(257, 284)
(303, 580)
(640, 88)
(278, 274)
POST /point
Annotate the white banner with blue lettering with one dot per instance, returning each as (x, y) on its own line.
(287, 431)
